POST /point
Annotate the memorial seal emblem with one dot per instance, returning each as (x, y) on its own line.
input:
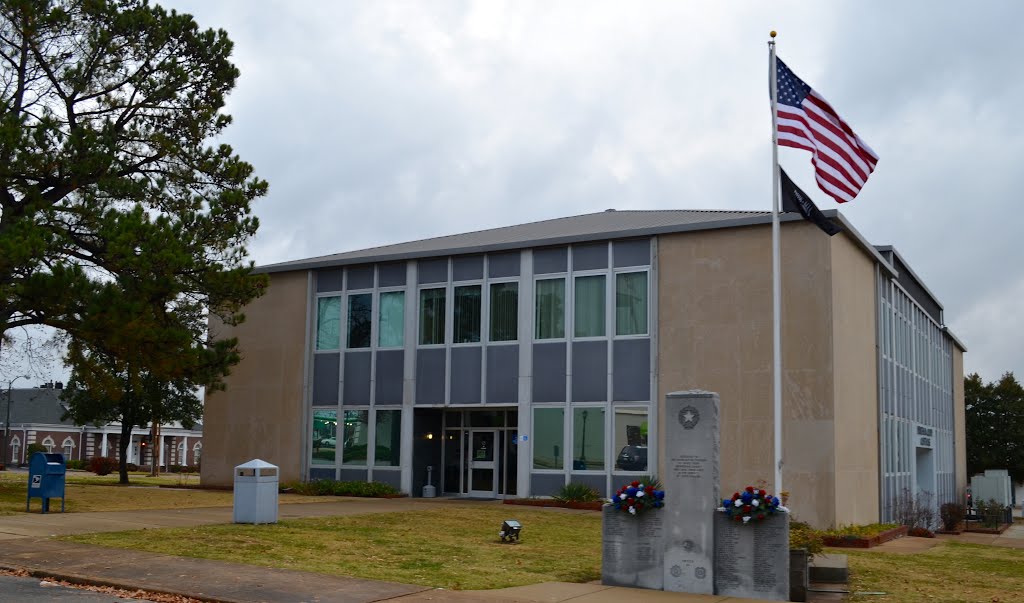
(689, 417)
(676, 571)
(700, 572)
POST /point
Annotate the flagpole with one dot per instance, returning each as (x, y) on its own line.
(776, 279)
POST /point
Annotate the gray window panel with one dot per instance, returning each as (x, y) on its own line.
(590, 371)
(502, 265)
(389, 378)
(468, 268)
(391, 275)
(360, 319)
(466, 373)
(360, 277)
(502, 374)
(631, 359)
(547, 261)
(325, 378)
(432, 271)
(546, 484)
(430, 374)
(633, 252)
(590, 257)
(597, 482)
(357, 378)
(353, 475)
(393, 478)
(329, 280)
(321, 473)
(549, 372)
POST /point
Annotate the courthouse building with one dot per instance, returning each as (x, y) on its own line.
(510, 362)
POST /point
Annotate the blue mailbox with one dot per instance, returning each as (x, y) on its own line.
(46, 479)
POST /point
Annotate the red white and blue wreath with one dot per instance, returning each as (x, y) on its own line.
(636, 497)
(751, 505)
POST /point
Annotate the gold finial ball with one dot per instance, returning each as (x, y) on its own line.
(772, 34)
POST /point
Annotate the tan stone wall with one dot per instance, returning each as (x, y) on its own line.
(959, 424)
(854, 302)
(715, 333)
(260, 415)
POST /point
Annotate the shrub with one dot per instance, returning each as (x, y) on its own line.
(102, 465)
(131, 467)
(859, 531)
(34, 448)
(190, 469)
(952, 515)
(921, 533)
(991, 513)
(76, 464)
(915, 511)
(803, 536)
(577, 492)
(327, 487)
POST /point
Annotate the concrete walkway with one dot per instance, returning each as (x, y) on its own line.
(25, 543)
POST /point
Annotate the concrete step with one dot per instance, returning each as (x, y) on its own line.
(831, 568)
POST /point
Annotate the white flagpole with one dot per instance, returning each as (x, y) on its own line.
(776, 278)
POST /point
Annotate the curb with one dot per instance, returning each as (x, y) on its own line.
(89, 581)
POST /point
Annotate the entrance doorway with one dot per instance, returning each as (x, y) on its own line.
(483, 466)
(480, 453)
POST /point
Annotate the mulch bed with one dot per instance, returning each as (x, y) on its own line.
(536, 502)
(859, 542)
(978, 529)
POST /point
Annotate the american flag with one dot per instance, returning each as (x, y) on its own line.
(842, 161)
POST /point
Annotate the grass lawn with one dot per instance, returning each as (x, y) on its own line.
(88, 492)
(456, 547)
(951, 572)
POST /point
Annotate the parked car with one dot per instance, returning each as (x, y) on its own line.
(329, 442)
(632, 458)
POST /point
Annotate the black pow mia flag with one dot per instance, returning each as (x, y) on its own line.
(795, 200)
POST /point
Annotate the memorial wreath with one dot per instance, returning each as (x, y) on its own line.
(636, 497)
(751, 505)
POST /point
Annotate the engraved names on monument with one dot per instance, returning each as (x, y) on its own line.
(691, 486)
(633, 549)
(752, 560)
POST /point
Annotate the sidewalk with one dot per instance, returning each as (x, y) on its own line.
(25, 544)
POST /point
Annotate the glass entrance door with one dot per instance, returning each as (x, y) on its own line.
(483, 466)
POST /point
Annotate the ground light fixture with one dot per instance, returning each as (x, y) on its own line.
(510, 529)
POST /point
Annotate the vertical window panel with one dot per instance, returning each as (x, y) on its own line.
(589, 306)
(328, 323)
(550, 308)
(504, 312)
(548, 438)
(588, 439)
(630, 434)
(325, 436)
(391, 325)
(389, 438)
(356, 437)
(432, 316)
(360, 315)
(631, 303)
(467, 314)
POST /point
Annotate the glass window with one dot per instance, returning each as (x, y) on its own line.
(356, 437)
(389, 438)
(590, 306)
(550, 308)
(360, 313)
(467, 314)
(328, 318)
(631, 439)
(69, 447)
(325, 436)
(504, 311)
(432, 316)
(631, 303)
(588, 439)
(547, 437)
(391, 325)
(197, 453)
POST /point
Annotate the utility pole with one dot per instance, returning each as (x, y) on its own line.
(7, 422)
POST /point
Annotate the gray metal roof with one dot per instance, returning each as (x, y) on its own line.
(34, 405)
(608, 224)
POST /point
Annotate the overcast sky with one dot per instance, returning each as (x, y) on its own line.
(382, 121)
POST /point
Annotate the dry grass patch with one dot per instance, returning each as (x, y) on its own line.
(455, 547)
(949, 573)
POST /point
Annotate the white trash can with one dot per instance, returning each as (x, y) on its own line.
(256, 484)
